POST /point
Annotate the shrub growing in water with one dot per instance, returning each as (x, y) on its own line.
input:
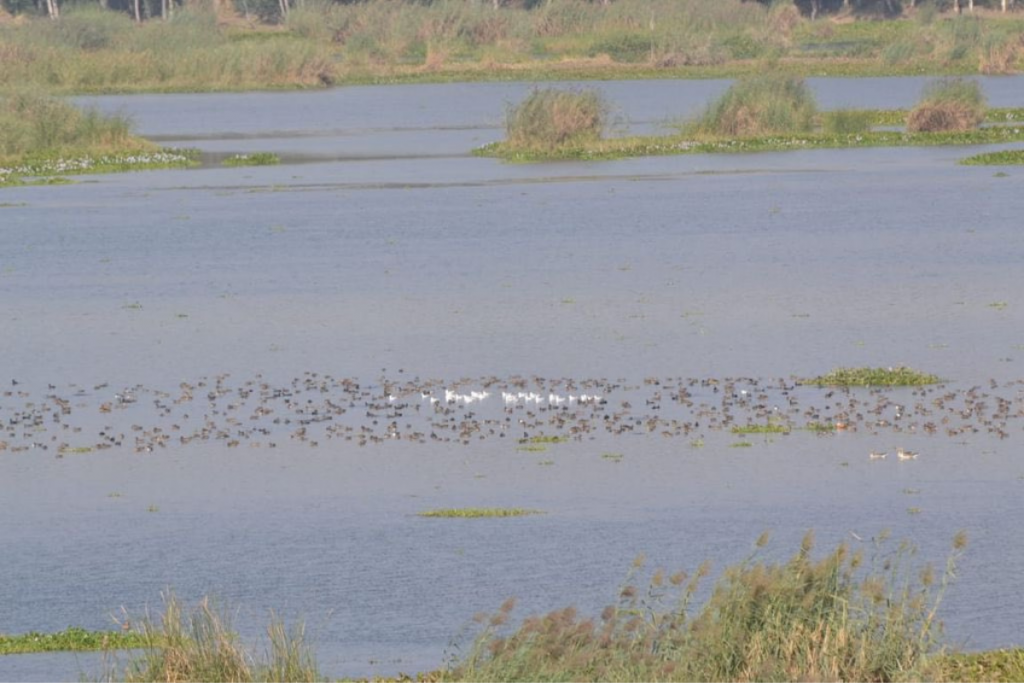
(31, 122)
(550, 118)
(948, 104)
(762, 105)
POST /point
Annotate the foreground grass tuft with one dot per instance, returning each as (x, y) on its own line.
(70, 640)
(874, 377)
(199, 644)
(549, 119)
(841, 617)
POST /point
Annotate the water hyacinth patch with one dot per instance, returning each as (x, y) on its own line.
(467, 513)
(254, 159)
(104, 163)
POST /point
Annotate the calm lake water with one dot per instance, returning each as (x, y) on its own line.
(384, 255)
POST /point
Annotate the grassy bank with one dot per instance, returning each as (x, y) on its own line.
(322, 43)
(43, 138)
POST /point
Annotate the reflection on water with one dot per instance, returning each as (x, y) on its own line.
(400, 263)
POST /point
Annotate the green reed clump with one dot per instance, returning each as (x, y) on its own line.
(549, 119)
(757, 106)
(948, 104)
(847, 121)
(874, 377)
(33, 123)
(834, 618)
(199, 644)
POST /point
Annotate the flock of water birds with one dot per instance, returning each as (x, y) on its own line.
(320, 410)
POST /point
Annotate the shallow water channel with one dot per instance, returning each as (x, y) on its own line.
(232, 382)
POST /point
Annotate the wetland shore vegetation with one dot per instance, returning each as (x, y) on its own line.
(778, 113)
(865, 613)
(259, 44)
(43, 138)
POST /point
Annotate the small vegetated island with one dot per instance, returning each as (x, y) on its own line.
(43, 138)
(759, 113)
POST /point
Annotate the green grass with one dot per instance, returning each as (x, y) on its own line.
(253, 159)
(42, 137)
(773, 104)
(948, 104)
(550, 119)
(847, 122)
(851, 615)
(664, 145)
(472, 513)
(391, 41)
(874, 377)
(545, 439)
(71, 639)
(1009, 157)
(770, 428)
(996, 666)
(199, 644)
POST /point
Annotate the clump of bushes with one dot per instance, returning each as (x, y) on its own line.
(758, 106)
(948, 104)
(841, 617)
(32, 123)
(550, 118)
(846, 122)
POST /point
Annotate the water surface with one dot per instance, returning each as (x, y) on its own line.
(393, 258)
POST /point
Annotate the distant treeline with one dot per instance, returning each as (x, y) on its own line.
(275, 10)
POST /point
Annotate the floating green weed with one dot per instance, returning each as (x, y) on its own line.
(770, 428)
(545, 439)
(1007, 157)
(741, 444)
(467, 513)
(614, 457)
(868, 377)
(254, 159)
(71, 639)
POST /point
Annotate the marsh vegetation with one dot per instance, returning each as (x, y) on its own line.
(43, 136)
(769, 113)
(276, 43)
